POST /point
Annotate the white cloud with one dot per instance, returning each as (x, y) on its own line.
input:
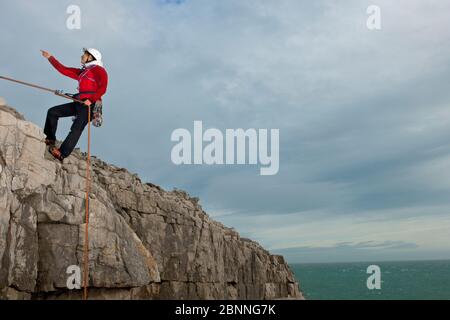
(362, 115)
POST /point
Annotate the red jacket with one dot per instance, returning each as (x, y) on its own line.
(90, 79)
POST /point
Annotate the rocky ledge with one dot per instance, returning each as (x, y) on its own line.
(145, 242)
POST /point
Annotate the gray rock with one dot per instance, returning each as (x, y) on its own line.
(4, 107)
(144, 242)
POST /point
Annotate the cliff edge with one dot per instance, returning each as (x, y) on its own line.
(145, 242)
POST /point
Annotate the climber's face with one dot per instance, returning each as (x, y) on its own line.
(85, 58)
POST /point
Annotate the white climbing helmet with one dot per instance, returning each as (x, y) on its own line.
(94, 52)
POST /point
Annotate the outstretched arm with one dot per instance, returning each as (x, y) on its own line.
(68, 72)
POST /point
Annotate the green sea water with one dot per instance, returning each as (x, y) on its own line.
(403, 280)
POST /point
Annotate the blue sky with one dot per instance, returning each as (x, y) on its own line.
(364, 115)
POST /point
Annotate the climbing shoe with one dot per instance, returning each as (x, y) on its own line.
(50, 142)
(56, 153)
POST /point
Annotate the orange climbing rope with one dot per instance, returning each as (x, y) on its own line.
(86, 233)
(56, 92)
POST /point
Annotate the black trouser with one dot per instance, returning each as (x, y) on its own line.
(80, 111)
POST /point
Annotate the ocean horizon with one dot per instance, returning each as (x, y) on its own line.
(400, 280)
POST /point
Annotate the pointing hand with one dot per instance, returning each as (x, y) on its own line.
(45, 54)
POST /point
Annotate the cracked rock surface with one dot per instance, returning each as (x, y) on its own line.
(145, 242)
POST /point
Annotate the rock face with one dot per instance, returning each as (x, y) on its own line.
(145, 242)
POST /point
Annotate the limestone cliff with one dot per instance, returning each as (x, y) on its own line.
(145, 242)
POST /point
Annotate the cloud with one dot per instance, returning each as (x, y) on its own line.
(370, 251)
(363, 116)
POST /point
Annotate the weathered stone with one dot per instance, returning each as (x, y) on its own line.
(144, 242)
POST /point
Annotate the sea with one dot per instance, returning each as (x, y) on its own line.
(399, 280)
